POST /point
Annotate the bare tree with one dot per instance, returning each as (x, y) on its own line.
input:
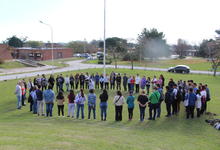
(181, 47)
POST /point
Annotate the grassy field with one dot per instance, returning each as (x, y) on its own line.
(21, 130)
(60, 62)
(194, 63)
(11, 65)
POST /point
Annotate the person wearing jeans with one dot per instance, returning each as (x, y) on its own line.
(60, 103)
(191, 97)
(71, 105)
(142, 101)
(80, 100)
(118, 101)
(103, 104)
(34, 99)
(91, 103)
(130, 102)
(40, 102)
(48, 96)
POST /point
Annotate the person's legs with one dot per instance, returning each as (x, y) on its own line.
(198, 112)
(187, 112)
(116, 113)
(168, 106)
(89, 111)
(31, 106)
(82, 110)
(150, 111)
(155, 111)
(94, 112)
(51, 109)
(129, 113)
(47, 109)
(69, 109)
(58, 107)
(178, 106)
(62, 110)
(78, 109)
(120, 113)
(38, 107)
(192, 111)
(18, 102)
(158, 110)
(102, 110)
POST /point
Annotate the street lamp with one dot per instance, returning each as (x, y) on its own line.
(104, 71)
(51, 30)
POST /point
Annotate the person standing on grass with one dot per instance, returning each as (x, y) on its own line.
(57, 84)
(112, 81)
(203, 99)
(71, 82)
(137, 83)
(160, 90)
(143, 83)
(132, 82)
(103, 104)
(77, 81)
(51, 80)
(30, 85)
(118, 102)
(67, 81)
(198, 103)
(163, 81)
(87, 77)
(191, 97)
(61, 82)
(101, 80)
(154, 99)
(97, 80)
(174, 103)
(40, 102)
(49, 97)
(142, 101)
(71, 105)
(91, 84)
(80, 101)
(118, 81)
(125, 82)
(148, 85)
(129, 83)
(168, 100)
(91, 103)
(18, 94)
(106, 81)
(34, 99)
(82, 81)
(44, 82)
(130, 102)
(23, 90)
(60, 103)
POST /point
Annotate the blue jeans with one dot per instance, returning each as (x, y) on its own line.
(18, 102)
(158, 110)
(142, 113)
(34, 107)
(49, 109)
(103, 107)
(91, 108)
(80, 107)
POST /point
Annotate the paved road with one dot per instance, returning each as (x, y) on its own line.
(78, 65)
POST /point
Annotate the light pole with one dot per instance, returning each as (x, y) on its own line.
(51, 30)
(104, 70)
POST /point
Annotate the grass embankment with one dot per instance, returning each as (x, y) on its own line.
(21, 130)
(60, 62)
(194, 63)
(11, 65)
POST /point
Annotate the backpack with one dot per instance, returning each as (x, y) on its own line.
(161, 95)
(30, 99)
(179, 95)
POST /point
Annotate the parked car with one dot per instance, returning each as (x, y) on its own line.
(77, 55)
(179, 69)
(85, 55)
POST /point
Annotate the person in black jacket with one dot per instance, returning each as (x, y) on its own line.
(142, 101)
(40, 102)
(103, 104)
(57, 83)
(71, 82)
(125, 82)
(82, 81)
(168, 100)
(118, 82)
(51, 81)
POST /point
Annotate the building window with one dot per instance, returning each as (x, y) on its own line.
(38, 54)
(31, 55)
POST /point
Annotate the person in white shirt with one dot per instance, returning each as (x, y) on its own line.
(30, 85)
(91, 84)
(118, 101)
(67, 81)
(174, 103)
(106, 81)
(198, 103)
(137, 83)
(203, 100)
(18, 94)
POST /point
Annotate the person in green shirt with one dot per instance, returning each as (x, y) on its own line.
(130, 102)
(154, 101)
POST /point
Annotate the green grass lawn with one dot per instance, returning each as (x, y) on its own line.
(60, 62)
(21, 130)
(194, 63)
(11, 65)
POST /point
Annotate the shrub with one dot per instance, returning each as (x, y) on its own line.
(1, 61)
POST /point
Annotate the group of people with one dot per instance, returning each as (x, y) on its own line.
(41, 92)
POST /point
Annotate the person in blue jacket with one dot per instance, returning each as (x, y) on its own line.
(191, 98)
(130, 102)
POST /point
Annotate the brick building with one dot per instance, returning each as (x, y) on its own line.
(5, 53)
(39, 54)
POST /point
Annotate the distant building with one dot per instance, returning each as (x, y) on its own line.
(5, 53)
(40, 54)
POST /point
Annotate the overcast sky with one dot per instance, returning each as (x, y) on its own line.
(191, 20)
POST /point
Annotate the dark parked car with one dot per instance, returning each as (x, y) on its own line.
(179, 69)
